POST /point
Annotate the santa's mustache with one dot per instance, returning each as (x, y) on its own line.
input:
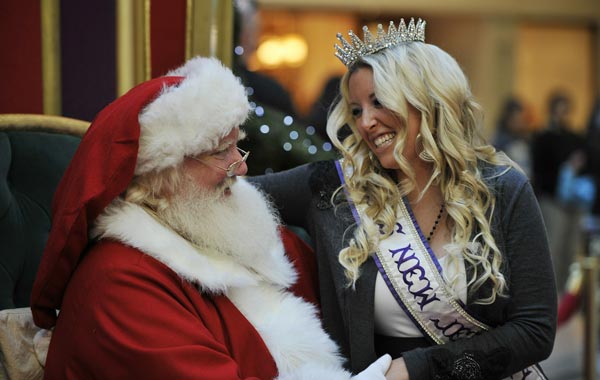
(226, 183)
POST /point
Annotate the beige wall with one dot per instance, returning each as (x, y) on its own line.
(552, 8)
(556, 57)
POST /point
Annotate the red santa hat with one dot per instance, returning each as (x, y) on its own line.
(150, 128)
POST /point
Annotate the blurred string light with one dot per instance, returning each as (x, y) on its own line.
(293, 135)
(286, 50)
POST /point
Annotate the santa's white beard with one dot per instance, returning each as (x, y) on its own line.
(241, 224)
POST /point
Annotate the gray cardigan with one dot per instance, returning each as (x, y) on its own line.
(524, 323)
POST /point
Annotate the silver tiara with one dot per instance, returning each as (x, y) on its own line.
(348, 53)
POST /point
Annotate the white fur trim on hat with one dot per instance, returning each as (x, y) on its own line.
(190, 118)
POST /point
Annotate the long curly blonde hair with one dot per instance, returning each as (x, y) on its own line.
(430, 80)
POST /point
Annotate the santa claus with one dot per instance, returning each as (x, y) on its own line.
(162, 261)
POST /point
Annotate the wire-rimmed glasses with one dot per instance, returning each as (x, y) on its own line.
(233, 167)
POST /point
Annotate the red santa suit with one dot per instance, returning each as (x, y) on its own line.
(140, 301)
(144, 303)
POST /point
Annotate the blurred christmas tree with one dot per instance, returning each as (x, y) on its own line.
(279, 142)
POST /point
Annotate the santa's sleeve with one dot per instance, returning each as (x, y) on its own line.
(303, 257)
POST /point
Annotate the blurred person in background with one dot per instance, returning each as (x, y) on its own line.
(552, 147)
(578, 191)
(593, 154)
(576, 187)
(512, 134)
(322, 105)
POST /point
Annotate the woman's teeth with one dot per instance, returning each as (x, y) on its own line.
(381, 140)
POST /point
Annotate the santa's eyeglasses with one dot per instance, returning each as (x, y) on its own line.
(232, 168)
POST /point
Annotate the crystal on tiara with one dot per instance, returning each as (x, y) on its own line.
(351, 51)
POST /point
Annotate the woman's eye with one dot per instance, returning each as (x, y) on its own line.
(376, 103)
(355, 112)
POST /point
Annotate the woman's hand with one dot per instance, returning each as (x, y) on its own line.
(397, 370)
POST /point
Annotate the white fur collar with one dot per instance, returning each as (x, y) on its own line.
(214, 272)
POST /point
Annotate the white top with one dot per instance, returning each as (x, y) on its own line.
(392, 320)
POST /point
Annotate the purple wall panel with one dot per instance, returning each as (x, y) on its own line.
(88, 65)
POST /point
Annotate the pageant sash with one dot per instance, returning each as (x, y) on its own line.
(413, 275)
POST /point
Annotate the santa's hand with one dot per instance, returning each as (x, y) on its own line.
(377, 369)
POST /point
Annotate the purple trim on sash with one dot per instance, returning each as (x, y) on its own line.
(423, 239)
(398, 299)
(464, 306)
(340, 171)
(470, 312)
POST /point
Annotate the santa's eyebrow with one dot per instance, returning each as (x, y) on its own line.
(226, 144)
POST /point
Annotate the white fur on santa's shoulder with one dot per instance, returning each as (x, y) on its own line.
(192, 117)
(292, 331)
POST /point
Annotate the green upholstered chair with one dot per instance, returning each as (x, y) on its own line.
(34, 152)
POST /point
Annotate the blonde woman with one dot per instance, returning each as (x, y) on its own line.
(430, 244)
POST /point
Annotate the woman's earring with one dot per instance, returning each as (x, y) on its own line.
(420, 149)
(419, 143)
